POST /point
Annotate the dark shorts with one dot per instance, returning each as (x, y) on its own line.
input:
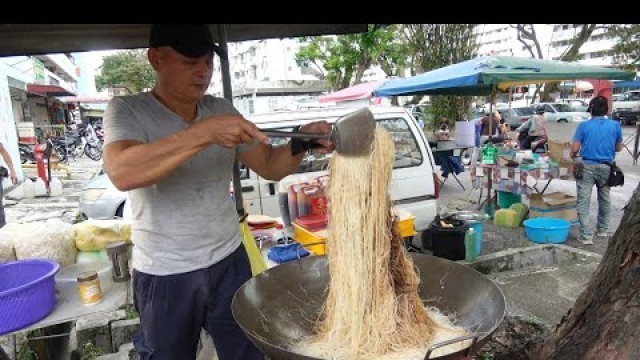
(174, 308)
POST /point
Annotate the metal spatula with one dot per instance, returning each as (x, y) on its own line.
(352, 134)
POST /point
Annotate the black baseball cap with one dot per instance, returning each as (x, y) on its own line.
(190, 40)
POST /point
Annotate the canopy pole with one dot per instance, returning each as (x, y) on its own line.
(494, 91)
(228, 94)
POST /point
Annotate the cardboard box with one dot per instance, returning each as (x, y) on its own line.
(560, 152)
(557, 205)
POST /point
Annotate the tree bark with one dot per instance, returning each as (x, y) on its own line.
(604, 322)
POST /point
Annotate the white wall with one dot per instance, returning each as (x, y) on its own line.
(8, 133)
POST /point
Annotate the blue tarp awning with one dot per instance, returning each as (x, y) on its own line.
(627, 84)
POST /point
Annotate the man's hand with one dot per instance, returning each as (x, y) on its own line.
(13, 177)
(321, 127)
(230, 130)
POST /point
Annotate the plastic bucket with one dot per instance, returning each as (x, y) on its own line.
(27, 292)
(546, 230)
(507, 198)
(445, 242)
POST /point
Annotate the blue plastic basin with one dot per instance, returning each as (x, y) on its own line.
(546, 230)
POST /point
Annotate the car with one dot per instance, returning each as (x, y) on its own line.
(576, 104)
(516, 116)
(100, 199)
(414, 188)
(561, 113)
(626, 109)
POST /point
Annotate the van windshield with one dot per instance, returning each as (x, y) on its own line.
(407, 151)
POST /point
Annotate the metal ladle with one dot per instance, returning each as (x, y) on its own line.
(352, 134)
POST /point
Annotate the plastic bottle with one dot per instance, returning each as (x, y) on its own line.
(470, 245)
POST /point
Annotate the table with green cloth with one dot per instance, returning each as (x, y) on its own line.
(521, 179)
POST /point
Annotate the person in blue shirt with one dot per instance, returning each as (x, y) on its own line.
(597, 141)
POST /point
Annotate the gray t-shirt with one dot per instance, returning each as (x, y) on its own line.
(186, 221)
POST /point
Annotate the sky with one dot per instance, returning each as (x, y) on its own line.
(89, 62)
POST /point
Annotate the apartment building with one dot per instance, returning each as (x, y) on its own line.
(502, 40)
(265, 76)
(598, 50)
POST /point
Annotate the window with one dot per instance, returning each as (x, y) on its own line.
(407, 151)
(273, 103)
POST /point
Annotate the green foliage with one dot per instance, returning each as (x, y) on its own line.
(129, 69)
(131, 312)
(342, 59)
(90, 351)
(26, 353)
(627, 47)
(435, 46)
(484, 356)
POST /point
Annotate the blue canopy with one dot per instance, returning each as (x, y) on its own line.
(627, 84)
(486, 74)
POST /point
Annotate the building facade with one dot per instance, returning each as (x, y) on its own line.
(265, 76)
(598, 50)
(29, 91)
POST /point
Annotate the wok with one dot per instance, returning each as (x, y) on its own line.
(279, 306)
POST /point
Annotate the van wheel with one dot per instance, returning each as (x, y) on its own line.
(563, 121)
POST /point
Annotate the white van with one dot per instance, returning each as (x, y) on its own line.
(413, 188)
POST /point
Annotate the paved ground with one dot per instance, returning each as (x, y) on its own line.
(544, 294)
(65, 206)
(452, 197)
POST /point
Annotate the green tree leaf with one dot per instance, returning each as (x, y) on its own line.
(343, 59)
(627, 47)
(128, 69)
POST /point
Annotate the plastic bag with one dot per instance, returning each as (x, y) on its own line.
(94, 234)
(51, 239)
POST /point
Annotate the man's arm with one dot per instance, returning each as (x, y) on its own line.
(274, 163)
(132, 164)
(7, 160)
(578, 138)
(575, 148)
(619, 144)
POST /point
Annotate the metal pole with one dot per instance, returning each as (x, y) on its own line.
(635, 145)
(227, 93)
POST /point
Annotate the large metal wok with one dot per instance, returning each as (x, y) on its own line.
(279, 306)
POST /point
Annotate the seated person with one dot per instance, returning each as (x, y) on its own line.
(490, 125)
(443, 129)
(532, 130)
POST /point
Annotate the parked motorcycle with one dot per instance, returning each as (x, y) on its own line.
(84, 141)
(26, 153)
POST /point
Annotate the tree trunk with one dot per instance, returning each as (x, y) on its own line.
(604, 322)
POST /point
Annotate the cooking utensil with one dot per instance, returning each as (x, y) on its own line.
(277, 308)
(352, 134)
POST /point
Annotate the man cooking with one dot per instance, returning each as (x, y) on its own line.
(173, 150)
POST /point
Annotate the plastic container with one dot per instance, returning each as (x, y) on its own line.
(89, 288)
(507, 198)
(27, 292)
(475, 220)
(465, 133)
(547, 230)
(470, 240)
(446, 242)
